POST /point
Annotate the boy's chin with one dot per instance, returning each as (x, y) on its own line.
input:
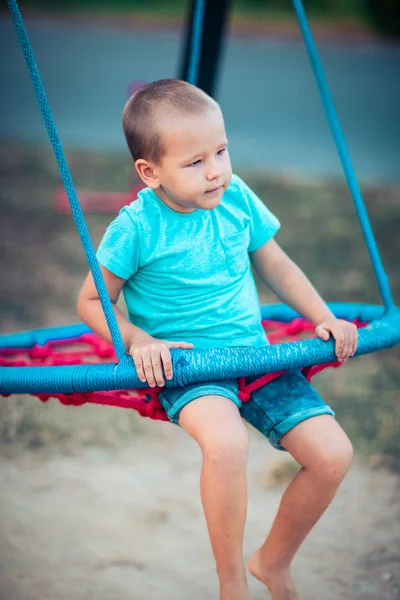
(211, 203)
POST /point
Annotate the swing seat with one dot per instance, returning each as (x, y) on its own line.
(74, 365)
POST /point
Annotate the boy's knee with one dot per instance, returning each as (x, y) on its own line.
(228, 447)
(336, 460)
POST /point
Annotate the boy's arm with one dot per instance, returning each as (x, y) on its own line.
(291, 285)
(91, 312)
(151, 356)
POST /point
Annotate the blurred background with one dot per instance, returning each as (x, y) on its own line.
(57, 461)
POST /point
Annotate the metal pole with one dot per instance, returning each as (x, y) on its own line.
(211, 26)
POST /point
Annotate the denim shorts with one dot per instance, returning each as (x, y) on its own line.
(273, 409)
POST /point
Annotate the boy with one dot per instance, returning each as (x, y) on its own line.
(181, 254)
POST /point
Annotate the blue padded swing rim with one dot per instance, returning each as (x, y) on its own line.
(192, 366)
(274, 312)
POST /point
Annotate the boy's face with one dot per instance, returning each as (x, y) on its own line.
(195, 169)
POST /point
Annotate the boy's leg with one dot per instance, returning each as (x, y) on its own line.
(324, 452)
(215, 423)
(291, 414)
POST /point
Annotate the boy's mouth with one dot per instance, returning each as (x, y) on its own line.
(213, 190)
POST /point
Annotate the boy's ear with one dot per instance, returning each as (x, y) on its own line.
(147, 173)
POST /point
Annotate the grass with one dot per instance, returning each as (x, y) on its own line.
(42, 268)
(277, 11)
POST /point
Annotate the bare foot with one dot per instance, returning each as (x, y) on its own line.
(279, 582)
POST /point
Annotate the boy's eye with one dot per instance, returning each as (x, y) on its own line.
(221, 151)
(194, 163)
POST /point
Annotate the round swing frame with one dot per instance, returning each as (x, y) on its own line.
(191, 366)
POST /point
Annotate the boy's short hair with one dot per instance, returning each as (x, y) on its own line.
(147, 110)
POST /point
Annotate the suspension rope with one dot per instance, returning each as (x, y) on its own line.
(195, 47)
(330, 112)
(67, 180)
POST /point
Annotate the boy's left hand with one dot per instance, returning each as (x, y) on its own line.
(345, 334)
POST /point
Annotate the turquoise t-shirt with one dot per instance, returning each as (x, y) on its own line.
(188, 276)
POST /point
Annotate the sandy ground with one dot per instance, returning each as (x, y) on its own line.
(127, 523)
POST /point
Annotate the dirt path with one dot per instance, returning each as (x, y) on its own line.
(128, 524)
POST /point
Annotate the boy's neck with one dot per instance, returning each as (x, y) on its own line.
(175, 206)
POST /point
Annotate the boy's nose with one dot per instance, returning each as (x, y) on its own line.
(214, 172)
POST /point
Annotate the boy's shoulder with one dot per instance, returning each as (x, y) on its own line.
(237, 185)
(239, 191)
(139, 211)
(136, 209)
(238, 194)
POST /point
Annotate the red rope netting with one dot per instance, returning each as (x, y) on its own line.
(89, 348)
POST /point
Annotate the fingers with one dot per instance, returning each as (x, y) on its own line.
(167, 362)
(153, 360)
(157, 370)
(340, 342)
(137, 359)
(322, 332)
(355, 340)
(351, 340)
(185, 345)
(148, 367)
(346, 335)
(145, 369)
(338, 335)
(153, 363)
(347, 343)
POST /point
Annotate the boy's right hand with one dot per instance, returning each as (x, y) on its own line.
(151, 356)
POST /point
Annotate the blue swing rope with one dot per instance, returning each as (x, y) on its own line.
(330, 112)
(67, 180)
(63, 165)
